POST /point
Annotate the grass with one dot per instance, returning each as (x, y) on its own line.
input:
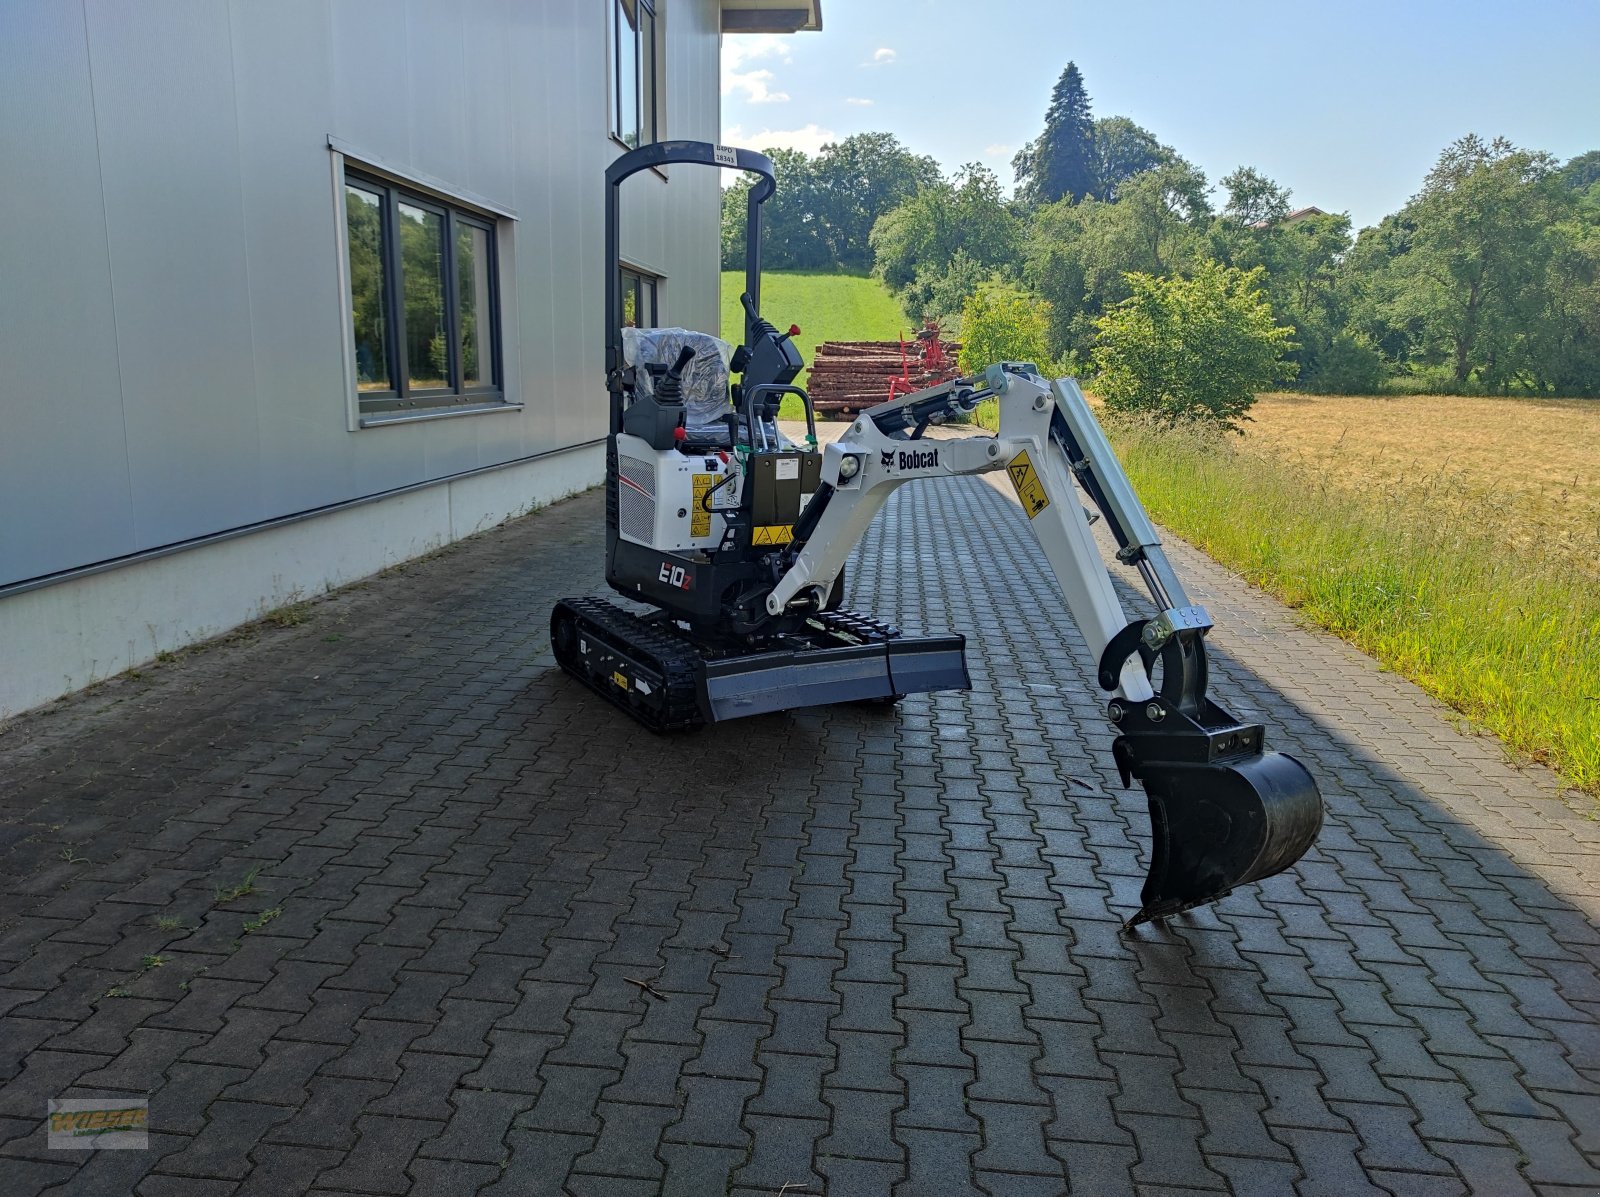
(1528, 468)
(1395, 533)
(245, 887)
(262, 919)
(290, 615)
(827, 307)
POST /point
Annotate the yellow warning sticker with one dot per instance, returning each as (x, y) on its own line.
(772, 534)
(619, 678)
(699, 517)
(1029, 489)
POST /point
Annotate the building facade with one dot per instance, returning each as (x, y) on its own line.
(291, 292)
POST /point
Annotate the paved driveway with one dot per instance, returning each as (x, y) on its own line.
(379, 902)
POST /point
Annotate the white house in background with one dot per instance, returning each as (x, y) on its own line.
(290, 292)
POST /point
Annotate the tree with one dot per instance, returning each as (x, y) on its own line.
(791, 234)
(1060, 163)
(967, 213)
(1078, 256)
(1582, 172)
(1476, 271)
(1302, 262)
(856, 181)
(942, 290)
(822, 213)
(1001, 323)
(1122, 150)
(1253, 198)
(1195, 348)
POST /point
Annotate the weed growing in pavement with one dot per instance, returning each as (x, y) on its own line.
(231, 892)
(262, 919)
(290, 615)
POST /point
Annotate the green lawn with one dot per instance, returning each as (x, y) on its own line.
(827, 307)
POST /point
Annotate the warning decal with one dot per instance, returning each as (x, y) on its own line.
(1029, 489)
(773, 534)
(619, 678)
(699, 517)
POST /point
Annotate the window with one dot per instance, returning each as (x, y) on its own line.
(640, 308)
(635, 71)
(424, 302)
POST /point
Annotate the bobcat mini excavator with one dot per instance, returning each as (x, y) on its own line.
(737, 537)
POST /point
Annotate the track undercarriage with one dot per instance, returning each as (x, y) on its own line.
(670, 680)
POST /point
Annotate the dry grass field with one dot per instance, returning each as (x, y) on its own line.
(1527, 469)
(1456, 540)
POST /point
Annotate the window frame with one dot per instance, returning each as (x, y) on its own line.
(628, 21)
(642, 277)
(400, 398)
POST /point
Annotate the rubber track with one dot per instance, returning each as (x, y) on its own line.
(674, 657)
(678, 659)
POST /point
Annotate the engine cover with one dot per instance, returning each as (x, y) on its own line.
(661, 496)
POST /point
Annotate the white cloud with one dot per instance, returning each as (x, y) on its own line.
(757, 87)
(739, 51)
(811, 138)
(858, 101)
(882, 56)
(997, 151)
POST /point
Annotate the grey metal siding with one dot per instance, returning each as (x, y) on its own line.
(171, 318)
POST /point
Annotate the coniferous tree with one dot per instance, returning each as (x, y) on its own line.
(1061, 163)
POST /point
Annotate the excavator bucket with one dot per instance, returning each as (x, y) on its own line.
(1221, 823)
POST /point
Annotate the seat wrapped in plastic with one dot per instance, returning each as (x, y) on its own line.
(705, 382)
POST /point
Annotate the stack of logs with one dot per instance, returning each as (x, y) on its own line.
(849, 376)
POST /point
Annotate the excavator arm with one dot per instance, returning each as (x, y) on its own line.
(1223, 810)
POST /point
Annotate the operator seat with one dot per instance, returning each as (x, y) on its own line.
(706, 397)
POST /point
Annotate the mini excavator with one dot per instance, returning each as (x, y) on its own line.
(734, 539)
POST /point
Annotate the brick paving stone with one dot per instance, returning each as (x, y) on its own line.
(277, 1169)
(221, 1150)
(892, 961)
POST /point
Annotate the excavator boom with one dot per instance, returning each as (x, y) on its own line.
(1223, 810)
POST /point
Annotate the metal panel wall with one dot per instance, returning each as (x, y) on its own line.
(171, 319)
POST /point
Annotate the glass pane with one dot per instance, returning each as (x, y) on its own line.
(647, 73)
(475, 305)
(627, 68)
(422, 277)
(630, 300)
(647, 302)
(364, 228)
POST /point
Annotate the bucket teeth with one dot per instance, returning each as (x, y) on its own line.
(1216, 825)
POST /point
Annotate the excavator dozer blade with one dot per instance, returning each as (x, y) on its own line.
(1219, 824)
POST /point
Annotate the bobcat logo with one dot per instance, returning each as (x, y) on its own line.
(886, 458)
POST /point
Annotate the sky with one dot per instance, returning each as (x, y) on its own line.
(1348, 104)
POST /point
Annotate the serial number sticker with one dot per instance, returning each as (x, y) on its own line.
(772, 534)
(788, 469)
(620, 678)
(1026, 480)
(725, 155)
(699, 517)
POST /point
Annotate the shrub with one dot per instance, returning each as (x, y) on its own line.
(1191, 348)
(1001, 323)
(1347, 367)
(938, 293)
